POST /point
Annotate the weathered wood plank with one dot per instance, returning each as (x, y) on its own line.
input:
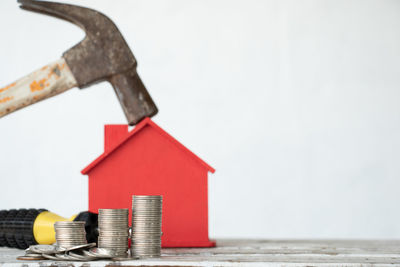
(253, 253)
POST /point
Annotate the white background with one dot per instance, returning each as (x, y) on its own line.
(295, 103)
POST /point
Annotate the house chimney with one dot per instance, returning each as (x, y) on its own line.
(113, 134)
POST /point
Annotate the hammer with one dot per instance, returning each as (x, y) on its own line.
(103, 55)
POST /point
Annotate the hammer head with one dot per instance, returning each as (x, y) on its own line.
(103, 55)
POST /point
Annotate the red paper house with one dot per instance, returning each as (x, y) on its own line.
(148, 161)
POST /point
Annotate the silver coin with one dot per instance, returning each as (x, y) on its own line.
(113, 224)
(136, 210)
(147, 215)
(60, 249)
(108, 236)
(115, 239)
(112, 227)
(101, 252)
(147, 219)
(89, 245)
(149, 205)
(145, 237)
(112, 244)
(153, 208)
(141, 207)
(113, 216)
(113, 210)
(50, 257)
(146, 205)
(113, 232)
(116, 220)
(46, 249)
(33, 255)
(80, 255)
(88, 253)
(147, 197)
(115, 247)
(113, 219)
(157, 218)
(112, 240)
(146, 230)
(146, 246)
(120, 221)
(144, 241)
(138, 239)
(62, 256)
(143, 230)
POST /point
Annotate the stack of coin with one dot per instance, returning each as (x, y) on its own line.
(114, 231)
(146, 226)
(70, 234)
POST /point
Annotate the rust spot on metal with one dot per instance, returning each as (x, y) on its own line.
(6, 99)
(7, 87)
(38, 86)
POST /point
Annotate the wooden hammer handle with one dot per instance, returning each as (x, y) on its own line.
(48, 81)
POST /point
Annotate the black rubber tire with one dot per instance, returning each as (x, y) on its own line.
(16, 227)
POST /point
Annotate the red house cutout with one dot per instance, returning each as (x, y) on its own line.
(148, 161)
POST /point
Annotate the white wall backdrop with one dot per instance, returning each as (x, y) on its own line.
(295, 103)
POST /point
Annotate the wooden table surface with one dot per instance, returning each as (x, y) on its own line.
(252, 253)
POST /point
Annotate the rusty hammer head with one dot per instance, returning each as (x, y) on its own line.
(103, 55)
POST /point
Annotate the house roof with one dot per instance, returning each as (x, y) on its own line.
(138, 127)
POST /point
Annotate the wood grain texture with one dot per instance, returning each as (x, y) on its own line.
(48, 81)
(253, 253)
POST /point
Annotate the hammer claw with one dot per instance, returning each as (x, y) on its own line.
(78, 15)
